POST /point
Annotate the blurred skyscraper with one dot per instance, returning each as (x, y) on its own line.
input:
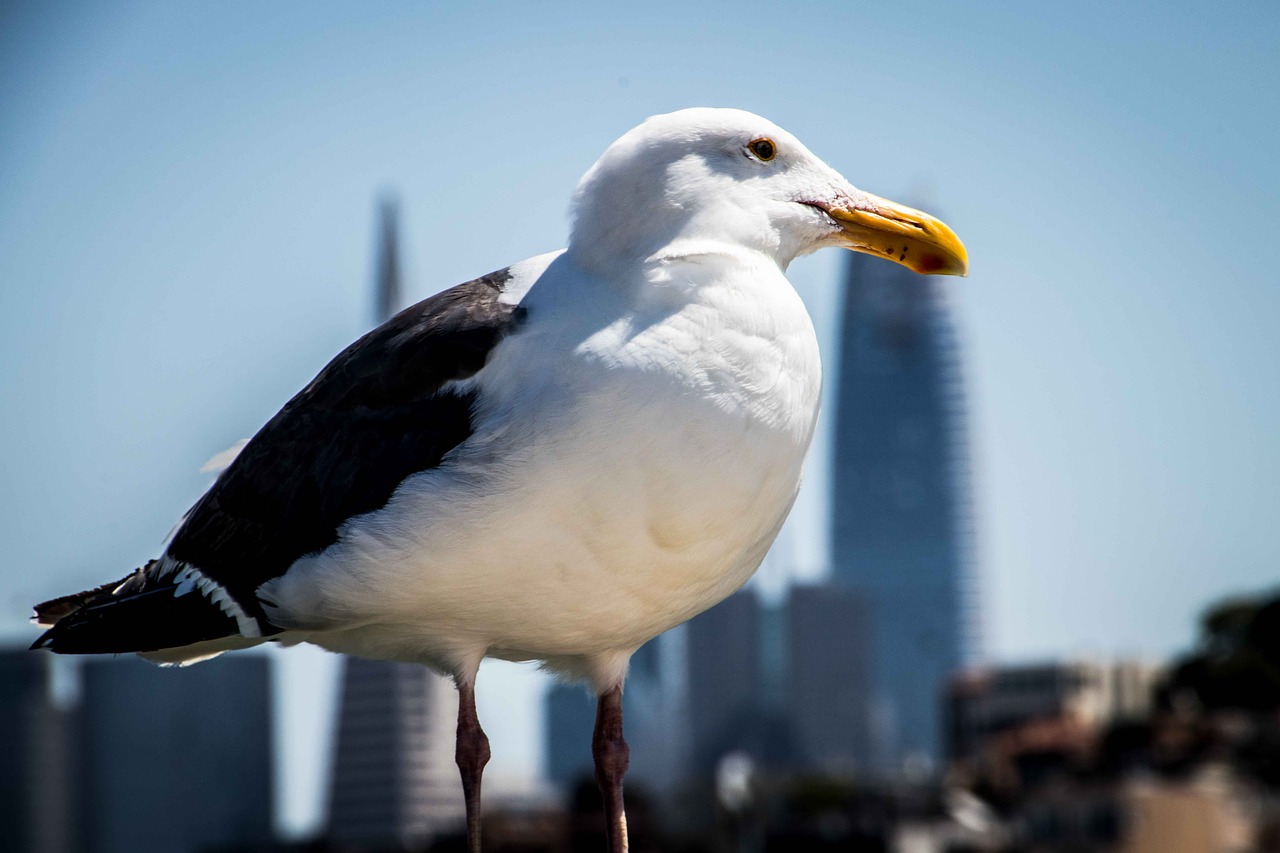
(175, 759)
(900, 502)
(651, 709)
(725, 679)
(394, 779)
(828, 678)
(36, 795)
(692, 695)
(570, 715)
(387, 296)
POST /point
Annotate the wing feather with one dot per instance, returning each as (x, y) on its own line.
(388, 406)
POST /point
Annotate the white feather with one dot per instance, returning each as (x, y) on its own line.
(187, 577)
(219, 462)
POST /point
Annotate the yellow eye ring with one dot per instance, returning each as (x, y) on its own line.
(764, 148)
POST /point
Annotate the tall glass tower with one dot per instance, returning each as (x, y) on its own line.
(900, 502)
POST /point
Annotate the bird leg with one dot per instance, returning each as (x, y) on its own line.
(612, 756)
(472, 754)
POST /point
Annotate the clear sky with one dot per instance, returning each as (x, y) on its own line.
(186, 224)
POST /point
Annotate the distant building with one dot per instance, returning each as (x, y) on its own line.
(175, 759)
(394, 778)
(900, 504)
(570, 714)
(725, 680)
(985, 704)
(692, 695)
(1080, 755)
(829, 678)
(785, 685)
(650, 709)
(36, 772)
(387, 295)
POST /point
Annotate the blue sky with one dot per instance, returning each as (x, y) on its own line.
(186, 223)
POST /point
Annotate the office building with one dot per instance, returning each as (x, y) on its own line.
(984, 704)
(692, 695)
(900, 507)
(175, 759)
(828, 679)
(570, 714)
(725, 680)
(387, 291)
(651, 709)
(36, 794)
(394, 778)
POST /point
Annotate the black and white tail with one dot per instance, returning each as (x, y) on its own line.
(147, 611)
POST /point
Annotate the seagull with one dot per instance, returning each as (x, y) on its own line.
(554, 462)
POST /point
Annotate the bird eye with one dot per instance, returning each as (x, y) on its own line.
(763, 148)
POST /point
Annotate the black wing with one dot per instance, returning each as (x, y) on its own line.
(377, 413)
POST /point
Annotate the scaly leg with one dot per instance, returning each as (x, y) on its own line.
(612, 757)
(472, 754)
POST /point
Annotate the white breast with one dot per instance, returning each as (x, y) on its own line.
(635, 454)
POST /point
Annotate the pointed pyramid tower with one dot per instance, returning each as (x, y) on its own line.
(394, 779)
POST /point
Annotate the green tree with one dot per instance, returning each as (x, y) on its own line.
(1237, 661)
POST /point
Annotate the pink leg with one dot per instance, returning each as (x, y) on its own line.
(472, 754)
(612, 757)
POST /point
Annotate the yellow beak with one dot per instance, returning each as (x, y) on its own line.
(916, 240)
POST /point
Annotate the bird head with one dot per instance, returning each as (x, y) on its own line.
(693, 181)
